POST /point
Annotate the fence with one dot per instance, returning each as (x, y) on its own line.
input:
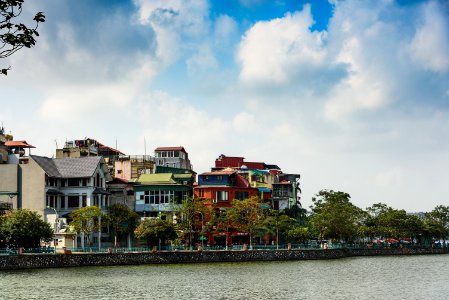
(312, 246)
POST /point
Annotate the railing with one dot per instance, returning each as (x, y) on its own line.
(311, 246)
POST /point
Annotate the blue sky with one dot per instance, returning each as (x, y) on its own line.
(354, 95)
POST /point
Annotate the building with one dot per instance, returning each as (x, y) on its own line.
(160, 193)
(121, 191)
(175, 157)
(12, 156)
(221, 187)
(54, 187)
(286, 192)
(89, 147)
(130, 167)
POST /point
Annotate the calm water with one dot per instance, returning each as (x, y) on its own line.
(397, 277)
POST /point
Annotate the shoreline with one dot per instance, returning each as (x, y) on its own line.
(37, 261)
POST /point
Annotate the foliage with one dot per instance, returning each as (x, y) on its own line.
(298, 233)
(121, 219)
(189, 216)
(386, 222)
(86, 220)
(24, 228)
(278, 224)
(15, 35)
(298, 213)
(334, 216)
(247, 215)
(153, 229)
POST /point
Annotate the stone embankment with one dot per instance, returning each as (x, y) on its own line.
(31, 261)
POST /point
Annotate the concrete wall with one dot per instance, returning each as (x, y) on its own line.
(33, 187)
(29, 261)
(9, 182)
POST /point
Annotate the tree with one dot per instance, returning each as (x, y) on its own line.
(14, 36)
(24, 228)
(386, 222)
(436, 223)
(298, 233)
(86, 220)
(247, 215)
(154, 230)
(188, 212)
(334, 216)
(279, 224)
(122, 219)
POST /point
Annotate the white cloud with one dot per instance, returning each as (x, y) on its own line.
(175, 23)
(272, 51)
(430, 45)
(226, 28)
(391, 178)
(244, 123)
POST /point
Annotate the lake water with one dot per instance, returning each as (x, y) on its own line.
(393, 277)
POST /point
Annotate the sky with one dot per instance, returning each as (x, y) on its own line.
(352, 95)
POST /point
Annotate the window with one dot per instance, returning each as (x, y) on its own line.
(201, 193)
(62, 202)
(221, 196)
(241, 195)
(219, 177)
(84, 181)
(84, 200)
(73, 201)
(160, 162)
(52, 181)
(73, 182)
(51, 201)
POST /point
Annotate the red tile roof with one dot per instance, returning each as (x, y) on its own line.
(180, 148)
(16, 144)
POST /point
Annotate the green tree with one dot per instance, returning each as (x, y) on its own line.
(334, 216)
(121, 219)
(278, 224)
(13, 35)
(190, 216)
(438, 219)
(24, 228)
(154, 230)
(221, 221)
(86, 220)
(386, 222)
(298, 233)
(247, 216)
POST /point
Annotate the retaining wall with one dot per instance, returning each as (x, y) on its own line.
(29, 261)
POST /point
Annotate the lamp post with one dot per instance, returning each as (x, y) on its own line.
(56, 219)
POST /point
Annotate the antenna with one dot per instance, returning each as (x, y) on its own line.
(145, 146)
(56, 142)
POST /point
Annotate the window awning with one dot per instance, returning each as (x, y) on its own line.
(264, 190)
(53, 192)
(100, 191)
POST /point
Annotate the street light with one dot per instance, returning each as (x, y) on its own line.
(56, 219)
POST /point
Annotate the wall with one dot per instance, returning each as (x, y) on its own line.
(8, 182)
(33, 187)
(103, 259)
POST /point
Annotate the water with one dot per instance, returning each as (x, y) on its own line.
(394, 277)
